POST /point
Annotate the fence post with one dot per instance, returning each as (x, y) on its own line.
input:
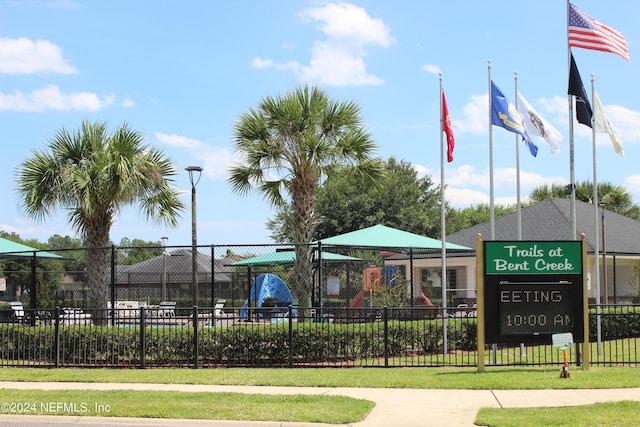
(385, 319)
(196, 348)
(143, 338)
(57, 336)
(290, 335)
(113, 285)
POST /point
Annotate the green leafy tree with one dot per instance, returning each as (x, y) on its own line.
(346, 203)
(137, 250)
(75, 254)
(289, 144)
(404, 201)
(460, 219)
(93, 174)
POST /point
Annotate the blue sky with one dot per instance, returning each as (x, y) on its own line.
(182, 73)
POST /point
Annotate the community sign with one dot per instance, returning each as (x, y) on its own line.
(532, 290)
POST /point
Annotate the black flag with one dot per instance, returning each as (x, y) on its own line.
(576, 88)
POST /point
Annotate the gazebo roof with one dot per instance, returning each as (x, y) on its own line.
(381, 236)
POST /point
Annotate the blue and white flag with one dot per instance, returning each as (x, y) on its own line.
(505, 115)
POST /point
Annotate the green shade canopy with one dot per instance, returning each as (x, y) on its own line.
(381, 236)
(288, 257)
(10, 249)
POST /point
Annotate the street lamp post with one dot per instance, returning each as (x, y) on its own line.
(194, 178)
(164, 268)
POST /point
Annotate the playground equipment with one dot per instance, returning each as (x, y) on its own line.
(372, 278)
(270, 295)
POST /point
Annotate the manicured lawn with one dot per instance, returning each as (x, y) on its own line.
(516, 378)
(618, 414)
(163, 404)
(328, 409)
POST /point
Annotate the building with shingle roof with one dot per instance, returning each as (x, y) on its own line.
(618, 255)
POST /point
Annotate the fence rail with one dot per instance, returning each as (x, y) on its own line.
(161, 336)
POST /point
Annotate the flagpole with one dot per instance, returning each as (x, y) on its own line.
(492, 217)
(518, 204)
(596, 260)
(572, 186)
(443, 254)
(492, 231)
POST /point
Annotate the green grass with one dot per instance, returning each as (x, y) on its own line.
(233, 406)
(516, 378)
(161, 404)
(618, 414)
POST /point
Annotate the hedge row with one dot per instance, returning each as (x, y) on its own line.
(255, 344)
(240, 345)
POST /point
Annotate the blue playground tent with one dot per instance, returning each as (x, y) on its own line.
(268, 287)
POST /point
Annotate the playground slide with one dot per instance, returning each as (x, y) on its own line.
(357, 301)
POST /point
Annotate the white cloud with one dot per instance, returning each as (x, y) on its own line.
(465, 186)
(474, 116)
(632, 185)
(432, 69)
(261, 63)
(338, 60)
(555, 105)
(350, 24)
(51, 98)
(334, 66)
(178, 140)
(215, 161)
(460, 198)
(626, 122)
(128, 103)
(25, 56)
(27, 227)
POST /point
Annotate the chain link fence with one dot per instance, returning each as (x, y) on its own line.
(341, 277)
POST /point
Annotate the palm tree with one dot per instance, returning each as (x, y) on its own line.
(616, 198)
(288, 144)
(93, 174)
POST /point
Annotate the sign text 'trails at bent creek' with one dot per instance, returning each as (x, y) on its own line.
(509, 258)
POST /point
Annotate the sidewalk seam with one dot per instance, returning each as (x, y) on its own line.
(496, 398)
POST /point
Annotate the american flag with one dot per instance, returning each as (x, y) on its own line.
(587, 33)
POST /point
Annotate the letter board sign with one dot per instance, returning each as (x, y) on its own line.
(533, 289)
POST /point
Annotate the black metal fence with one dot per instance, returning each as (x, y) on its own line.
(168, 336)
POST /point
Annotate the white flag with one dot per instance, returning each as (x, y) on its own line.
(537, 125)
(602, 125)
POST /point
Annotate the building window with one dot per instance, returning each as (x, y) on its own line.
(431, 284)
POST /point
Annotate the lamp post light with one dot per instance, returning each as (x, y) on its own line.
(604, 253)
(164, 268)
(194, 177)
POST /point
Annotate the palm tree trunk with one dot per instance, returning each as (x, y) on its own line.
(302, 271)
(304, 224)
(98, 274)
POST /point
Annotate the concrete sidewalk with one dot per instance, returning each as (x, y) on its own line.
(394, 407)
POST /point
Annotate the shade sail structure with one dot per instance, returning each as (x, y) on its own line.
(288, 257)
(10, 249)
(381, 236)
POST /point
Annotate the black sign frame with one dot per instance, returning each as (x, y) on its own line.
(525, 307)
